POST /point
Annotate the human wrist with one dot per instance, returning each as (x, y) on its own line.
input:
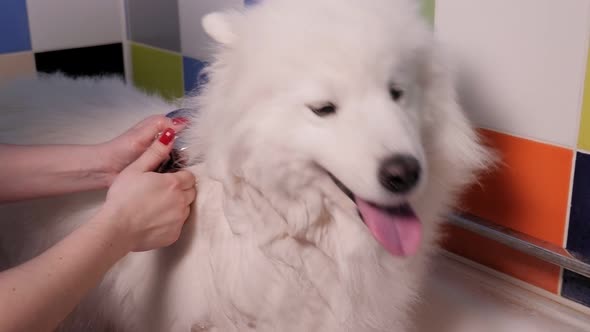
(105, 162)
(112, 224)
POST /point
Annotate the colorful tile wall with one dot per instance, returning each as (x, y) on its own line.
(525, 63)
(168, 57)
(158, 45)
(524, 79)
(69, 36)
(575, 286)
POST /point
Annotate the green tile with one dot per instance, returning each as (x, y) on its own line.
(428, 7)
(157, 71)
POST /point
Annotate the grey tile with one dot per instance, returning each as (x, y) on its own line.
(576, 287)
(154, 23)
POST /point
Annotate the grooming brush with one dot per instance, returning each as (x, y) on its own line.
(177, 158)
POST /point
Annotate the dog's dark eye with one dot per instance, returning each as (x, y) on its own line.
(396, 93)
(323, 110)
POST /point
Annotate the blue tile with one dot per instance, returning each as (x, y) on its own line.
(193, 78)
(14, 26)
(578, 239)
(250, 2)
(576, 287)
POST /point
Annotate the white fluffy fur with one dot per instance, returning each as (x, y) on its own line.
(273, 244)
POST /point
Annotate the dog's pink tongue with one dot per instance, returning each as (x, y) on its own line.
(399, 234)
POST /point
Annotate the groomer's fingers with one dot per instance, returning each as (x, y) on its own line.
(157, 153)
(158, 123)
(145, 131)
(189, 196)
(186, 179)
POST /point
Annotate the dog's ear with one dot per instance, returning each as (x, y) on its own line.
(221, 26)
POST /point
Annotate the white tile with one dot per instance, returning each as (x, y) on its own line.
(194, 42)
(528, 59)
(59, 24)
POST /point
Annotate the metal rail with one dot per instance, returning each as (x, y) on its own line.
(521, 242)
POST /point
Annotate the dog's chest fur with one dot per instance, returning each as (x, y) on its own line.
(224, 277)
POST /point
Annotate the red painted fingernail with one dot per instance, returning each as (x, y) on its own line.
(178, 121)
(167, 136)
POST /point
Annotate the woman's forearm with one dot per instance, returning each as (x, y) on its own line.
(45, 170)
(39, 294)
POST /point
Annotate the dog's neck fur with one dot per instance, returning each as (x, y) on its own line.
(293, 205)
(295, 237)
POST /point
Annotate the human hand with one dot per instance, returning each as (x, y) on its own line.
(121, 151)
(147, 208)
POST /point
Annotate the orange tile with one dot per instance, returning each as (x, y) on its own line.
(16, 65)
(529, 190)
(502, 258)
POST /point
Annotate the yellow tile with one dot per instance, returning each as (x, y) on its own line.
(584, 135)
(157, 71)
(428, 7)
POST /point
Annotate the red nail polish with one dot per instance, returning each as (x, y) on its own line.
(167, 136)
(178, 121)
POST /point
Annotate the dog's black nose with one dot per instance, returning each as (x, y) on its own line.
(399, 173)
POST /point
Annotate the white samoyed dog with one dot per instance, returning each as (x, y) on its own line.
(328, 145)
